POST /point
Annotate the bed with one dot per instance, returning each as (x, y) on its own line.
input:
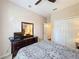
(47, 50)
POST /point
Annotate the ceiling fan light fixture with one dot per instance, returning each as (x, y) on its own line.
(38, 2)
(54, 9)
(53, 1)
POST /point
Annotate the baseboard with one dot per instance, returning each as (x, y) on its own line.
(5, 55)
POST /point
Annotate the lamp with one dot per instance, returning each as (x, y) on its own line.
(77, 38)
(77, 41)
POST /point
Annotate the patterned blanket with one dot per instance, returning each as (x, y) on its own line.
(47, 50)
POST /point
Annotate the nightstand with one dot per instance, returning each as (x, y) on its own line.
(77, 45)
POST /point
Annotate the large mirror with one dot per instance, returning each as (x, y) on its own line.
(27, 28)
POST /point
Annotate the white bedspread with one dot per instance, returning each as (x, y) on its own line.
(46, 50)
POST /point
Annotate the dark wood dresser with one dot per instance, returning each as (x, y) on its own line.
(18, 44)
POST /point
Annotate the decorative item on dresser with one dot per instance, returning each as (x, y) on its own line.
(20, 36)
(18, 44)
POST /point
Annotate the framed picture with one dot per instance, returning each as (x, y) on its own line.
(27, 28)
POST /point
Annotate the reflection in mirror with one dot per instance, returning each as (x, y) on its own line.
(27, 28)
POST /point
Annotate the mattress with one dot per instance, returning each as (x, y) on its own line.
(47, 50)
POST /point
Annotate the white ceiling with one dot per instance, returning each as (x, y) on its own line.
(44, 8)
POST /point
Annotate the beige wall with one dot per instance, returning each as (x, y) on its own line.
(13, 15)
(0, 25)
(65, 25)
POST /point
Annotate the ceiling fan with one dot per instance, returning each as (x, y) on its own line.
(53, 1)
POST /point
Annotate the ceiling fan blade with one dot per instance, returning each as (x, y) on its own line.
(38, 2)
(52, 1)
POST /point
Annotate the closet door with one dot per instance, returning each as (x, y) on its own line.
(60, 31)
(64, 32)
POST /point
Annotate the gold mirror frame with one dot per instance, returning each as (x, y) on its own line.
(27, 28)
